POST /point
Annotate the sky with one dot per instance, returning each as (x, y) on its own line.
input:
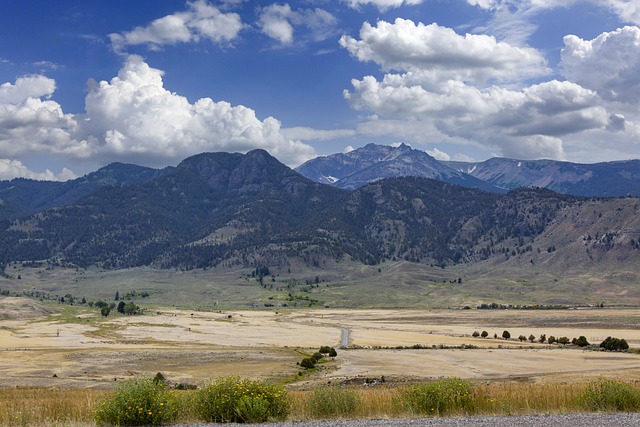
(151, 82)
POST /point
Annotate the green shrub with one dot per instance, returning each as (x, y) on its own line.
(580, 341)
(325, 349)
(136, 402)
(240, 400)
(610, 395)
(333, 402)
(440, 397)
(308, 363)
(614, 344)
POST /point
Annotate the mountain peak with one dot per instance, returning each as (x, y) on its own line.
(374, 162)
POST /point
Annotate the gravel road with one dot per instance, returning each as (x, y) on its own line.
(345, 339)
(571, 420)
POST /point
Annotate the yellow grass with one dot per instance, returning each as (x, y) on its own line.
(47, 407)
(73, 407)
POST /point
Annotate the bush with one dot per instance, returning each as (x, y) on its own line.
(239, 400)
(610, 395)
(475, 334)
(552, 339)
(614, 344)
(440, 397)
(325, 349)
(317, 356)
(581, 341)
(333, 402)
(308, 363)
(136, 402)
(484, 334)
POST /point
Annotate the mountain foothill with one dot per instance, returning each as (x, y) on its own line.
(373, 205)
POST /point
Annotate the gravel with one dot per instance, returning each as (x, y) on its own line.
(570, 420)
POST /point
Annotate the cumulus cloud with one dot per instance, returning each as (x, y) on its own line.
(201, 20)
(279, 21)
(131, 118)
(432, 52)
(134, 115)
(26, 87)
(441, 86)
(616, 57)
(10, 169)
(527, 123)
(438, 154)
(29, 123)
(382, 4)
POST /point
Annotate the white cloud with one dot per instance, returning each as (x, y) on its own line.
(132, 118)
(628, 11)
(513, 19)
(527, 123)
(279, 21)
(28, 123)
(10, 169)
(201, 20)
(274, 21)
(26, 87)
(433, 53)
(133, 115)
(382, 4)
(347, 149)
(616, 57)
(475, 90)
(438, 155)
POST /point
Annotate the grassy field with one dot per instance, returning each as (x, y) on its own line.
(75, 407)
(340, 285)
(74, 346)
(57, 360)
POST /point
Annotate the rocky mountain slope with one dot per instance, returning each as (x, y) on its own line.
(222, 209)
(21, 196)
(374, 162)
(609, 179)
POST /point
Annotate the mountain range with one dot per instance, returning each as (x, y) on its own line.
(374, 162)
(241, 210)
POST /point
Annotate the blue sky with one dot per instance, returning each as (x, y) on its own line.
(87, 83)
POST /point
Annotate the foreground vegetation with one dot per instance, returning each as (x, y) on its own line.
(145, 402)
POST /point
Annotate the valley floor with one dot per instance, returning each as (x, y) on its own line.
(45, 346)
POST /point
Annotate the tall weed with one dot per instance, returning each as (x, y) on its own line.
(240, 400)
(442, 397)
(333, 402)
(136, 402)
(608, 395)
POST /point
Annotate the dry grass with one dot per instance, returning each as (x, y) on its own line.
(524, 399)
(50, 407)
(47, 407)
(493, 399)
